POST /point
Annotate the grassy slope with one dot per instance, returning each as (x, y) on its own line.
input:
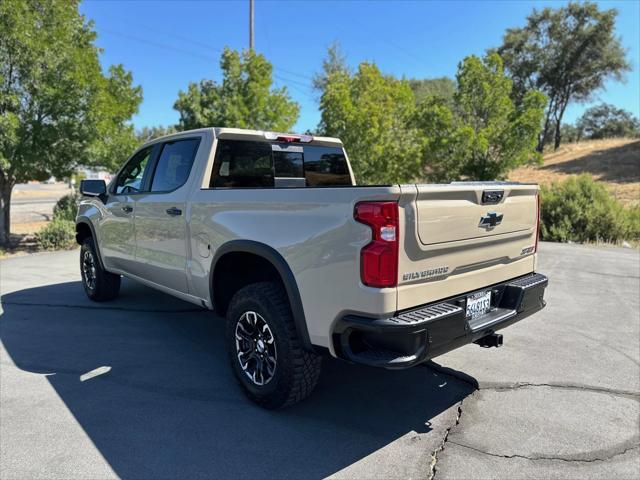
(615, 162)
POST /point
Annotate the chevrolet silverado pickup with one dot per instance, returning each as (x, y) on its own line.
(271, 231)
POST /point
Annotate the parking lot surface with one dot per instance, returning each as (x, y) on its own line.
(140, 388)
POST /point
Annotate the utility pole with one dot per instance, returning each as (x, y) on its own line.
(251, 24)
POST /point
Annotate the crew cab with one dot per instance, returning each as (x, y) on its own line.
(271, 231)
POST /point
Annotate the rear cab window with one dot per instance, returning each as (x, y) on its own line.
(263, 164)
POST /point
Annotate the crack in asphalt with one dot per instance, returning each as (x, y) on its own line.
(607, 274)
(472, 382)
(434, 456)
(548, 458)
(89, 307)
(570, 386)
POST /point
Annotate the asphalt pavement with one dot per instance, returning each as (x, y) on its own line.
(140, 388)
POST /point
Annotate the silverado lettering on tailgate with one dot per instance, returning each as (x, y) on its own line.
(432, 272)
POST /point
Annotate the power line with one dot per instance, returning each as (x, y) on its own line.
(163, 46)
(307, 77)
(210, 47)
(297, 82)
(397, 47)
(295, 87)
(282, 76)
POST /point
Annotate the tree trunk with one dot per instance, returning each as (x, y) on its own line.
(542, 138)
(6, 187)
(558, 136)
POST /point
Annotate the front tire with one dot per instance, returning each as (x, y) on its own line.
(265, 351)
(99, 285)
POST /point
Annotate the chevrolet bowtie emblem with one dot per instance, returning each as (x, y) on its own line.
(490, 220)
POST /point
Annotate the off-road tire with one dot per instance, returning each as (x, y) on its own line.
(105, 286)
(297, 370)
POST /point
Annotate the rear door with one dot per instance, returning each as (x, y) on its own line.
(464, 236)
(161, 213)
(116, 229)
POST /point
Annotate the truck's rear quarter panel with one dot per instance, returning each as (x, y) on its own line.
(314, 231)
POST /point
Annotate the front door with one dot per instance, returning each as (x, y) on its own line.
(116, 229)
(161, 214)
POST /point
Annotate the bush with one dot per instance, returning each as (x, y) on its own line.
(58, 234)
(66, 208)
(581, 210)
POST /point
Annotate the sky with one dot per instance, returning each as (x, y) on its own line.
(167, 44)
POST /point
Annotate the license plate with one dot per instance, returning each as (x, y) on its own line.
(478, 304)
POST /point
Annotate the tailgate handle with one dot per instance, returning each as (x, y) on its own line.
(492, 197)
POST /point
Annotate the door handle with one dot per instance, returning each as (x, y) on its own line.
(173, 211)
(127, 209)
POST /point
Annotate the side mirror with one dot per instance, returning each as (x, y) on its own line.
(93, 188)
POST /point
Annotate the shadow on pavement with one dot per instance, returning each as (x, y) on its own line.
(169, 406)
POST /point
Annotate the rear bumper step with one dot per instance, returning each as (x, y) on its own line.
(417, 335)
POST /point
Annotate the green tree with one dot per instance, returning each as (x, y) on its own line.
(570, 133)
(333, 64)
(370, 113)
(149, 133)
(57, 108)
(441, 87)
(567, 53)
(484, 135)
(244, 99)
(607, 121)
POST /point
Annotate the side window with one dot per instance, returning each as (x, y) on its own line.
(325, 166)
(242, 164)
(174, 164)
(130, 178)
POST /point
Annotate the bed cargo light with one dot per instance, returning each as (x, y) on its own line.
(379, 258)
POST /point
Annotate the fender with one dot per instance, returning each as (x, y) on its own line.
(86, 221)
(282, 267)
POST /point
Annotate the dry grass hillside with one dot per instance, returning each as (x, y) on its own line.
(615, 162)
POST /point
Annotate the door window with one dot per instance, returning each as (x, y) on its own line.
(130, 178)
(174, 164)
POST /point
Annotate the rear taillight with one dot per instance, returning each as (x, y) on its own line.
(537, 221)
(379, 258)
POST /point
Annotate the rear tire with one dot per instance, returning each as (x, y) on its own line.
(99, 285)
(265, 351)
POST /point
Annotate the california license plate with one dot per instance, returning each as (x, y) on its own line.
(478, 304)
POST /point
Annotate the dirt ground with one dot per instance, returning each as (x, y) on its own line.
(614, 162)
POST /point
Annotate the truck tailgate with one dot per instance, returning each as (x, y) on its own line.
(462, 237)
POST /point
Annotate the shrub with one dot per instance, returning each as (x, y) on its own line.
(581, 210)
(66, 208)
(58, 234)
(633, 216)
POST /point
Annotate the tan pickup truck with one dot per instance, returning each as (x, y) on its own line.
(271, 231)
